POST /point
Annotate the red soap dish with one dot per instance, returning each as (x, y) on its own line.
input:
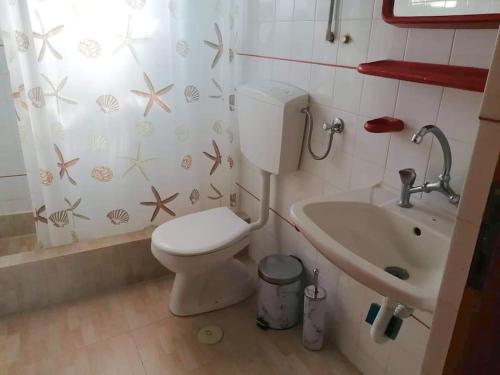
(384, 125)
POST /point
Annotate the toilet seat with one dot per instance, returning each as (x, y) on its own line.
(200, 233)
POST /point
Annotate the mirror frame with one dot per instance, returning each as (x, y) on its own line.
(469, 21)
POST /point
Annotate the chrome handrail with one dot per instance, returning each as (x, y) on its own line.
(330, 34)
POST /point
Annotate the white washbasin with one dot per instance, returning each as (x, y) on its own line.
(364, 231)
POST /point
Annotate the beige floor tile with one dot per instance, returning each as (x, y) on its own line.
(132, 332)
(67, 362)
(146, 303)
(115, 356)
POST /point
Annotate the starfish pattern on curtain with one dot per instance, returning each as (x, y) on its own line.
(86, 73)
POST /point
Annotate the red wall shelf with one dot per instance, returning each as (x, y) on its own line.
(459, 77)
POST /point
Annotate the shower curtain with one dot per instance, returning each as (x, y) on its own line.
(125, 110)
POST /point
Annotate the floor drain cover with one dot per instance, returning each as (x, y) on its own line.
(210, 335)
(399, 272)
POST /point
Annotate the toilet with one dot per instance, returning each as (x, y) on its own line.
(200, 248)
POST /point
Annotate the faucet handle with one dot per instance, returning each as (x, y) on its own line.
(408, 176)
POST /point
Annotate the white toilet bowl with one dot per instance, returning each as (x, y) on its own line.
(200, 249)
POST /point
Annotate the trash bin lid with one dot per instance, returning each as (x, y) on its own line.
(280, 269)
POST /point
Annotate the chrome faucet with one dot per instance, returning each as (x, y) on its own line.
(408, 175)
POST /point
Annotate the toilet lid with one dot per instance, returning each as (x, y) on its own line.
(200, 233)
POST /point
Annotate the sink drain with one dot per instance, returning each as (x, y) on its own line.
(399, 272)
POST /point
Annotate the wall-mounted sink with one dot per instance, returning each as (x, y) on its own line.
(400, 253)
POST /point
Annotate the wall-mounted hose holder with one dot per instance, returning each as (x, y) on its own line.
(384, 125)
(336, 127)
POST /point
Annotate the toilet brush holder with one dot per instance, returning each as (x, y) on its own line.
(314, 315)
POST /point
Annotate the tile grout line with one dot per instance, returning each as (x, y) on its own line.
(295, 60)
(137, 348)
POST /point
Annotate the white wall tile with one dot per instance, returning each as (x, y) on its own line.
(347, 90)
(429, 45)
(413, 338)
(248, 174)
(403, 153)
(310, 165)
(321, 114)
(302, 35)
(16, 206)
(402, 362)
(368, 365)
(329, 274)
(247, 203)
(5, 91)
(14, 191)
(250, 43)
(357, 10)
(11, 163)
(13, 188)
(323, 51)
(424, 317)
(252, 11)
(379, 97)
(322, 10)
(281, 70)
(473, 48)
(377, 10)
(14, 195)
(346, 141)
(347, 315)
(282, 39)
(300, 75)
(7, 113)
(284, 10)
(386, 41)
(356, 51)
(305, 10)
(262, 245)
(417, 105)
(266, 9)
(365, 174)
(321, 86)
(338, 169)
(254, 69)
(286, 236)
(3, 61)
(308, 254)
(330, 189)
(265, 45)
(298, 185)
(371, 147)
(378, 354)
(458, 114)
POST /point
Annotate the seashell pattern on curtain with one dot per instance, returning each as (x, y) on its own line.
(126, 109)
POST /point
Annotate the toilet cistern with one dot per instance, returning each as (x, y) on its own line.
(408, 175)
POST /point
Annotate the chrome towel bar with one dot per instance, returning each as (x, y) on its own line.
(332, 17)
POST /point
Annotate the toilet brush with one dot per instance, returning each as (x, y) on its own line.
(314, 315)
